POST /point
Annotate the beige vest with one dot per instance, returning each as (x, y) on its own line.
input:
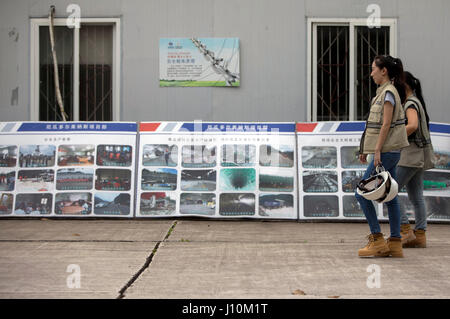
(397, 137)
(419, 153)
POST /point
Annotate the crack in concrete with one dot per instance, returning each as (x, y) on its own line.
(146, 264)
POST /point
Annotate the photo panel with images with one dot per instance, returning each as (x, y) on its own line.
(6, 203)
(276, 205)
(350, 180)
(276, 155)
(320, 206)
(198, 180)
(198, 156)
(7, 179)
(238, 155)
(35, 180)
(109, 179)
(75, 179)
(159, 179)
(276, 180)
(319, 157)
(238, 179)
(320, 181)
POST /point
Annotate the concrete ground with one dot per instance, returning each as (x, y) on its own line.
(212, 259)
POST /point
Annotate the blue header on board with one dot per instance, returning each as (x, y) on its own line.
(239, 127)
(78, 127)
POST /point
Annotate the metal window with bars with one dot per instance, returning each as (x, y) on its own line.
(342, 55)
(95, 73)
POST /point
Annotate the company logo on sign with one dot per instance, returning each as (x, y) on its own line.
(176, 46)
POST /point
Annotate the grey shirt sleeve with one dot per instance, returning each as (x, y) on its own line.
(389, 97)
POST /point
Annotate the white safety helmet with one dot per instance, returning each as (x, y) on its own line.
(380, 187)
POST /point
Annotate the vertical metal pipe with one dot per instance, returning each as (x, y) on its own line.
(329, 75)
(338, 69)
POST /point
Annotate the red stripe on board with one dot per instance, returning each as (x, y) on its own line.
(306, 127)
(148, 127)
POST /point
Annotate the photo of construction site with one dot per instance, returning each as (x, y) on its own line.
(276, 180)
(320, 181)
(74, 179)
(114, 155)
(350, 157)
(111, 204)
(73, 203)
(276, 155)
(237, 179)
(76, 155)
(437, 207)
(198, 180)
(280, 205)
(159, 179)
(320, 206)
(198, 203)
(442, 159)
(437, 182)
(7, 180)
(160, 155)
(6, 203)
(198, 156)
(319, 157)
(8, 155)
(37, 155)
(237, 204)
(35, 180)
(33, 204)
(112, 179)
(352, 208)
(158, 204)
(238, 155)
(350, 180)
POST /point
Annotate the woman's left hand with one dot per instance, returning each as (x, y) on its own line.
(377, 159)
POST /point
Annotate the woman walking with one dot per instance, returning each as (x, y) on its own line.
(384, 137)
(414, 160)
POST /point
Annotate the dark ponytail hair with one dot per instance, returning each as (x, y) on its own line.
(394, 68)
(415, 86)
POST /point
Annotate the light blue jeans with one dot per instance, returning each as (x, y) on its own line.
(412, 178)
(389, 161)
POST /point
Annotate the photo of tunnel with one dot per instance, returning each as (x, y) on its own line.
(350, 157)
(74, 179)
(112, 179)
(160, 155)
(350, 180)
(442, 159)
(276, 155)
(8, 155)
(6, 203)
(7, 180)
(37, 155)
(159, 179)
(76, 155)
(276, 180)
(280, 205)
(238, 155)
(198, 203)
(319, 157)
(352, 208)
(35, 180)
(320, 206)
(237, 204)
(157, 204)
(33, 204)
(320, 181)
(114, 155)
(73, 203)
(237, 179)
(198, 180)
(111, 204)
(198, 156)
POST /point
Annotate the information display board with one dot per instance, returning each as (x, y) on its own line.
(329, 170)
(76, 169)
(217, 170)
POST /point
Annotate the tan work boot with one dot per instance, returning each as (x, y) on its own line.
(419, 242)
(376, 247)
(407, 234)
(395, 247)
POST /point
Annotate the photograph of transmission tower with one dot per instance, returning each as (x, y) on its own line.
(199, 62)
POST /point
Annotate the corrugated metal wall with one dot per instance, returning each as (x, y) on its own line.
(273, 53)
